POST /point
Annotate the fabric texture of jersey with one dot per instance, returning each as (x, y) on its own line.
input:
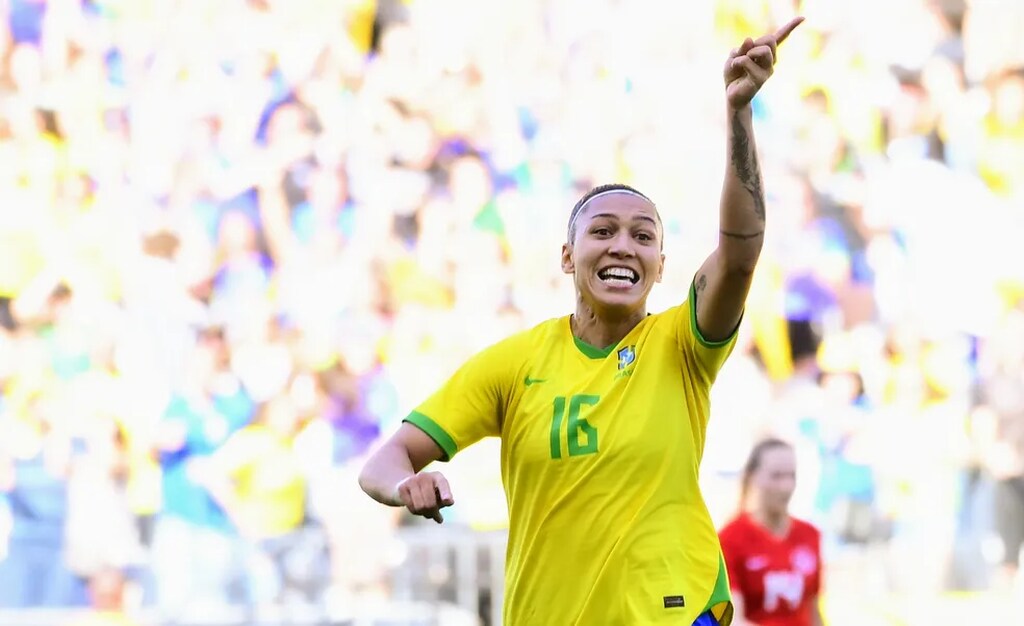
(778, 578)
(599, 459)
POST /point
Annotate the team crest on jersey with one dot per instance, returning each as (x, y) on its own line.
(626, 357)
(804, 560)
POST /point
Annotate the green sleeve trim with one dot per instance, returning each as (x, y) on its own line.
(721, 595)
(590, 351)
(696, 331)
(435, 432)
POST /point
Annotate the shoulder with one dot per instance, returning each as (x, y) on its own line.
(512, 352)
(672, 314)
(681, 321)
(735, 530)
(805, 530)
(530, 340)
(667, 325)
(804, 527)
(539, 334)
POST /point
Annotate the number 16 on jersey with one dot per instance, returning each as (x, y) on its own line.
(580, 435)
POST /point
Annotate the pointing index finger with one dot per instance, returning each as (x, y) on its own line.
(782, 33)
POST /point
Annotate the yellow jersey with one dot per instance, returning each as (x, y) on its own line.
(600, 456)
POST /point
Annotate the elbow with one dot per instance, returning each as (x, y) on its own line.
(370, 480)
(365, 480)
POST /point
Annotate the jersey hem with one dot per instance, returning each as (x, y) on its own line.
(435, 432)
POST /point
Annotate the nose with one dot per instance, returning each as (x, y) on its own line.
(621, 245)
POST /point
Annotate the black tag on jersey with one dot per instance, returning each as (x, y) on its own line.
(674, 602)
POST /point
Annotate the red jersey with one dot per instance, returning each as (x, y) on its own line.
(778, 578)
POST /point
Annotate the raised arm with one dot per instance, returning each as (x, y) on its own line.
(723, 281)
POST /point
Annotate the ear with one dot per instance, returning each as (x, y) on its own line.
(661, 269)
(568, 265)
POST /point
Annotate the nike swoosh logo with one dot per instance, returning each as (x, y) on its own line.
(529, 381)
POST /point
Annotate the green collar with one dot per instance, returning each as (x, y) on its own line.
(590, 351)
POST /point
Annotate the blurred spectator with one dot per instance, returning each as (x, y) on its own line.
(257, 477)
(107, 603)
(207, 208)
(1002, 149)
(34, 464)
(846, 487)
(1003, 439)
(192, 526)
(102, 533)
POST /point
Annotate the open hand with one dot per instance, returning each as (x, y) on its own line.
(750, 65)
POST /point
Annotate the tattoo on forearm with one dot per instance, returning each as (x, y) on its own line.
(742, 235)
(701, 283)
(744, 160)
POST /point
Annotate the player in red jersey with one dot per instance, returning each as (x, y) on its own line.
(773, 559)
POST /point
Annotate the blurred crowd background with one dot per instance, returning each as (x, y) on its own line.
(240, 240)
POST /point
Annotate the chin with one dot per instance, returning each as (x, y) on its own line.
(634, 296)
(618, 307)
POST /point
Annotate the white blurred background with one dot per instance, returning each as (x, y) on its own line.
(241, 239)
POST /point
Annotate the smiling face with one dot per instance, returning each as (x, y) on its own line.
(614, 253)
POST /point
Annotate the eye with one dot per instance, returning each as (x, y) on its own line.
(602, 231)
(644, 236)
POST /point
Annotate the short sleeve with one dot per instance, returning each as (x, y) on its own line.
(471, 405)
(709, 356)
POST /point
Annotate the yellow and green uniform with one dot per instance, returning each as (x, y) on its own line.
(600, 458)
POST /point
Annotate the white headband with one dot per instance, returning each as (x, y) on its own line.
(608, 192)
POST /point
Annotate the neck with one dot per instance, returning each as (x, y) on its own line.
(775, 521)
(602, 331)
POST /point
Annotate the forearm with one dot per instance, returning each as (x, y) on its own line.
(742, 218)
(383, 471)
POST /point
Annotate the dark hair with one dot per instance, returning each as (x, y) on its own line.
(571, 228)
(754, 463)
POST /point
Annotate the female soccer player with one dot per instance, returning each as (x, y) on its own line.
(774, 560)
(602, 413)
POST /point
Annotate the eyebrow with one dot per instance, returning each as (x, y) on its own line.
(616, 217)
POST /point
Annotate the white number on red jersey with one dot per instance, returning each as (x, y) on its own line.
(788, 586)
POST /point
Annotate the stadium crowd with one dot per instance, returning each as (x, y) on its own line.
(240, 239)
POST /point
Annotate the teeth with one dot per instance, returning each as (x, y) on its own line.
(618, 273)
(621, 276)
